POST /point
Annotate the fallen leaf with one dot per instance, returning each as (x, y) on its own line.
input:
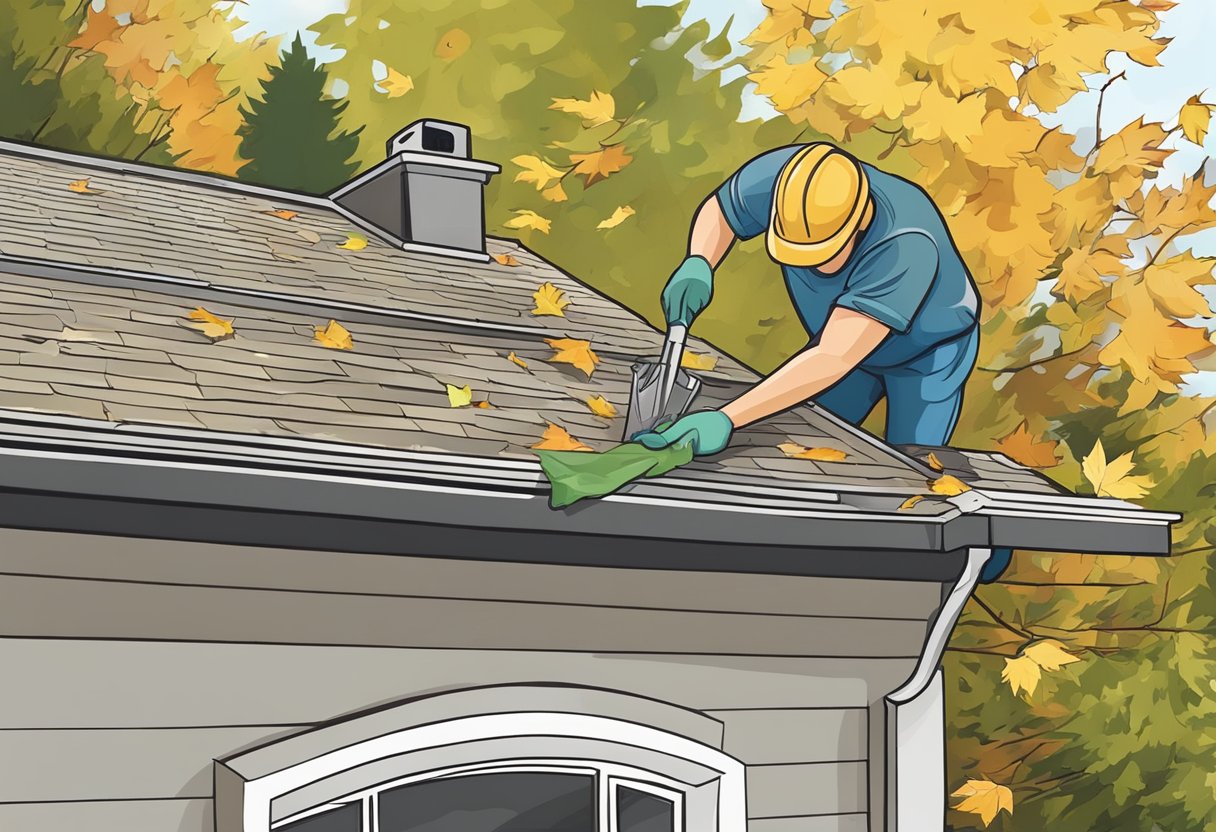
(795, 451)
(459, 396)
(395, 84)
(934, 462)
(573, 351)
(949, 485)
(282, 213)
(354, 242)
(601, 407)
(985, 799)
(557, 438)
(1194, 119)
(550, 300)
(505, 260)
(908, 504)
(483, 405)
(213, 327)
(515, 359)
(81, 186)
(600, 164)
(1020, 446)
(334, 336)
(529, 219)
(699, 361)
(598, 109)
(618, 216)
(1114, 479)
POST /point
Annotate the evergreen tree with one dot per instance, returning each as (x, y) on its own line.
(291, 135)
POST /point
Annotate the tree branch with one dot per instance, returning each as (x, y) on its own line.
(1098, 118)
(995, 617)
(1164, 245)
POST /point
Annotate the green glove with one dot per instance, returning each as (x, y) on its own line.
(688, 290)
(707, 433)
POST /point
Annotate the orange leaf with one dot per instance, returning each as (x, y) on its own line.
(795, 451)
(934, 462)
(984, 798)
(81, 186)
(453, 44)
(601, 407)
(515, 359)
(557, 438)
(908, 504)
(601, 163)
(215, 328)
(334, 336)
(282, 213)
(573, 351)
(1020, 446)
(505, 260)
(948, 485)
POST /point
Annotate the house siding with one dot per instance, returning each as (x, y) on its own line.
(132, 664)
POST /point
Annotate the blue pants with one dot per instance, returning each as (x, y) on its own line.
(924, 397)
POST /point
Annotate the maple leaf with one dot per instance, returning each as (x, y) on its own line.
(1194, 118)
(515, 359)
(598, 109)
(984, 798)
(395, 84)
(334, 336)
(555, 193)
(933, 462)
(536, 171)
(452, 44)
(1049, 654)
(101, 27)
(550, 300)
(1114, 479)
(618, 216)
(282, 213)
(795, 451)
(1173, 283)
(948, 485)
(1024, 671)
(215, 328)
(505, 260)
(529, 219)
(557, 438)
(459, 396)
(354, 242)
(699, 361)
(1020, 446)
(575, 352)
(910, 503)
(600, 164)
(81, 186)
(601, 407)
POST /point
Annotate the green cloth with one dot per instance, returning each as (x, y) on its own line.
(575, 475)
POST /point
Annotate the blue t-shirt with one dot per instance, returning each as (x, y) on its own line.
(905, 271)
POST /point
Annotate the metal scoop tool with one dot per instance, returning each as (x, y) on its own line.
(661, 391)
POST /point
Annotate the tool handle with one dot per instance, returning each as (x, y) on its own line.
(669, 362)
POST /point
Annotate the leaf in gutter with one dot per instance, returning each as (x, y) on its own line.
(505, 260)
(575, 352)
(984, 798)
(81, 186)
(215, 328)
(459, 396)
(550, 300)
(795, 451)
(699, 361)
(557, 438)
(334, 336)
(601, 407)
(282, 213)
(618, 216)
(1114, 479)
(354, 242)
(908, 504)
(949, 485)
(934, 462)
(516, 360)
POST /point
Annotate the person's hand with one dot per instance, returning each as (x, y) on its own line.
(708, 432)
(688, 290)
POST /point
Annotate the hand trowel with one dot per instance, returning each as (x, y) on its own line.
(661, 390)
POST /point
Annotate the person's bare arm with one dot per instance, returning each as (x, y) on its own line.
(848, 337)
(711, 236)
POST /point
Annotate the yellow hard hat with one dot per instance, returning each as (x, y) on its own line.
(822, 197)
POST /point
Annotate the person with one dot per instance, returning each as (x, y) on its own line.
(874, 277)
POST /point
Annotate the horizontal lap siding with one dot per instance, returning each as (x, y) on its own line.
(783, 791)
(171, 815)
(806, 735)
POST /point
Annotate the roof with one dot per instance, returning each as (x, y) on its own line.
(95, 362)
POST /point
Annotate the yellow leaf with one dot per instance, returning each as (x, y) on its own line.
(597, 110)
(555, 194)
(618, 216)
(213, 327)
(1113, 479)
(515, 359)
(557, 438)
(81, 186)
(1022, 673)
(536, 171)
(282, 213)
(1020, 446)
(453, 44)
(601, 407)
(334, 336)
(948, 485)
(459, 396)
(550, 300)
(934, 462)
(983, 798)
(1049, 654)
(699, 361)
(601, 163)
(396, 84)
(795, 451)
(575, 352)
(529, 219)
(505, 260)
(909, 503)
(354, 242)
(1194, 119)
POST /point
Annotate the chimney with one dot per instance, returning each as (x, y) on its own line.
(427, 195)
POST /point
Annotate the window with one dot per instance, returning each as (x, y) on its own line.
(529, 796)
